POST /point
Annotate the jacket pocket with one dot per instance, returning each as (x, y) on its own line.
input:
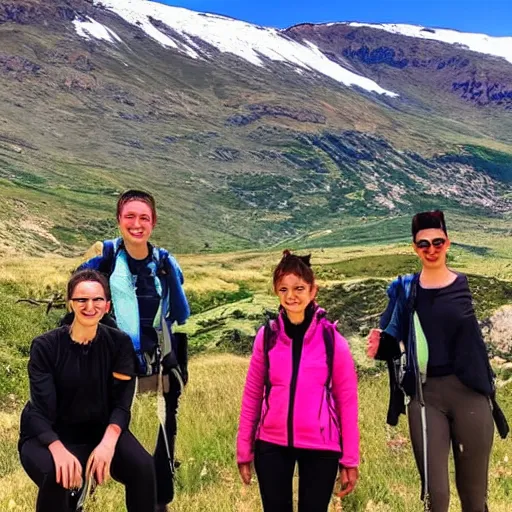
(330, 429)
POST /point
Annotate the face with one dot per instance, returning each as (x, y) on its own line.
(295, 294)
(136, 222)
(431, 246)
(89, 303)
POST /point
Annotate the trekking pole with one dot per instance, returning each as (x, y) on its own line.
(426, 493)
(84, 494)
(162, 416)
(161, 406)
(427, 507)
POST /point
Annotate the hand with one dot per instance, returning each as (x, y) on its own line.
(99, 462)
(348, 480)
(373, 343)
(68, 470)
(245, 472)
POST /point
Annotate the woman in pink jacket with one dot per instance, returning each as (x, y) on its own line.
(300, 400)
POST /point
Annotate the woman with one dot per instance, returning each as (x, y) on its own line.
(82, 383)
(437, 358)
(147, 298)
(300, 400)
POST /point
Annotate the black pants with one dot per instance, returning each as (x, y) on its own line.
(461, 418)
(275, 466)
(164, 468)
(132, 465)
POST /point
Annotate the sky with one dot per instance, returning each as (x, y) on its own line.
(493, 17)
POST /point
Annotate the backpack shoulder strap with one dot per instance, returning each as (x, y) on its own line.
(409, 283)
(107, 257)
(268, 342)
(329, 333)
(158, 256)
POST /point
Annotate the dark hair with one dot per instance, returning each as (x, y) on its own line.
(136, 195)
(428, 220)
(87, 275)
(294, 264)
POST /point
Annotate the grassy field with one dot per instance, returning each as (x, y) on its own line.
(230, 294)
(208, 479)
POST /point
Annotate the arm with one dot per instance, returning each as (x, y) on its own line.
(43, 395)
(472, 359)
(344, 382)
(92, 264)
(180, 309)
(121, 398)
(123, 382)
(384, 343)
(251, 402)
(43, 413)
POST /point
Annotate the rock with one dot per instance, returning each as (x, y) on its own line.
(242, 119)
(224, 154)
(17, 66)
(80, 81)
(499, 332)
(135, 143)
(130, 117)
(80, 61)
(259, 110)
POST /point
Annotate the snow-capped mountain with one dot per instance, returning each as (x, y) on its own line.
(187, 32)
(481, 43)
(247, 134)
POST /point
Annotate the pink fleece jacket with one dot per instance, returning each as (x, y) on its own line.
(320, 420)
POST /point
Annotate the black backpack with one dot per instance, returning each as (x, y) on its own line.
(269, 341)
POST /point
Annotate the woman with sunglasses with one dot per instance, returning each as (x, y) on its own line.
(439, 368)
(75, 425)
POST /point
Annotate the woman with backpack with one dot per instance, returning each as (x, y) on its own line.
(439, 368)
(300, 402)
(147, 298)
(75, 426)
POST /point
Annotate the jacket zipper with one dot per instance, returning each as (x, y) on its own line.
(293, 389)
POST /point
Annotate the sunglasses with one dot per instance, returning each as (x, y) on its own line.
(425, 244)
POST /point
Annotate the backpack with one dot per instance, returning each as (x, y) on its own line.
(177, 358)
(269, 340)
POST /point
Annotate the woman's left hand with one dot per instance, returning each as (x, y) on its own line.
(348, 479)
(99, 462)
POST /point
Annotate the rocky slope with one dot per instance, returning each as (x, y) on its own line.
(247, 135)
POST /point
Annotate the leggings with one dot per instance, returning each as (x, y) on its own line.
(461, 418)
(132, 465)
(275, 465)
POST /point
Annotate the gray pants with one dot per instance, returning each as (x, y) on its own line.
(461, 418)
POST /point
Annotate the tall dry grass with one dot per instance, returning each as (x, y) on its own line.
(208, 478)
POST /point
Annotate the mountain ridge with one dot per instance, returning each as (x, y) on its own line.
(240, 154)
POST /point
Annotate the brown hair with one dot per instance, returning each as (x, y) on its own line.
(136, 195)
(428, 220)
(294, 264)
(87, 275)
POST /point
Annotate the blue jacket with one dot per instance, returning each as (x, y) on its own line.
(168, 281)
(395, 323)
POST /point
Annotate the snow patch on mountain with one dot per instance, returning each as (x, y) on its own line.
(480, 43)
(92, 29)
(250, 42)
